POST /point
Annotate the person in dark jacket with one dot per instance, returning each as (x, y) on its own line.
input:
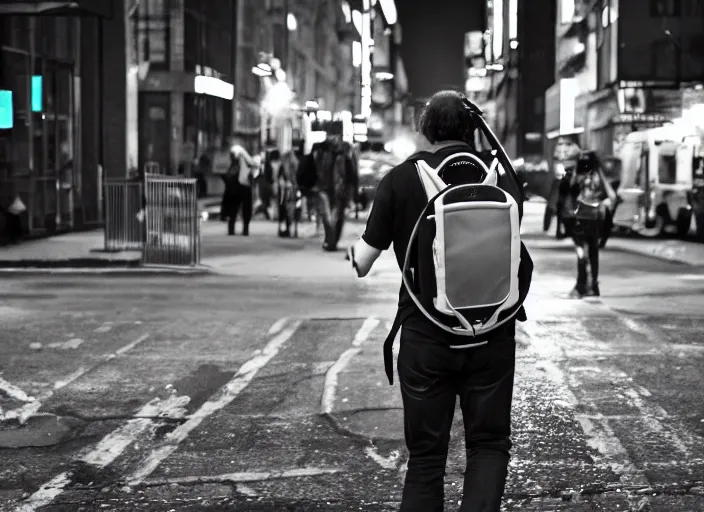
(238, 189)
(337, 180)
(585, 195)
(265, 183)
(432, 373)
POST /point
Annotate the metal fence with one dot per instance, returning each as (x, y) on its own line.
(124, 216)
(172, 221)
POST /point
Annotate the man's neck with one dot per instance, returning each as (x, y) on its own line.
(446, 143)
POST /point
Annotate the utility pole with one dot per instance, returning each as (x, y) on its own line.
(392, 69)
(234, 61)
(287, 40)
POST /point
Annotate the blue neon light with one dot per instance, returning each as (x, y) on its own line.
(36, 93)
(6, 114)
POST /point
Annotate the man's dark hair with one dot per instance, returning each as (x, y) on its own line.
(445, 117)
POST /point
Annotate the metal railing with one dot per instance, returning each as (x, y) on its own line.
(124, 216)
(172, 221)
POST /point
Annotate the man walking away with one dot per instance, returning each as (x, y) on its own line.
(238, 188)
(335, 185)
(434, 364)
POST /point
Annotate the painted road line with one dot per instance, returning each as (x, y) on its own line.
(73, 343)
(597, 430)
(108, 449)
(331, 377)
(672, 429)
(330, 388)
(14, 392)
(389, 462)
(649, 414)
(106, 327)
(226, 395)
(29, 409)
(278, 325)
(691, 277)
(242, 477)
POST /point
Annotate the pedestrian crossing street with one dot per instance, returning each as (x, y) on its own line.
(150, 412)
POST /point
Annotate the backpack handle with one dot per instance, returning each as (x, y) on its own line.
(430, 177)
(465, 154)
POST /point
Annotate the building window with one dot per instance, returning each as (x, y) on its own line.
(664, 8)
(280, 33)
(667, 170)
(664, 60)
(153, 32)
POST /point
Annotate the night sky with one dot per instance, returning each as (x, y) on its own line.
(433, 41)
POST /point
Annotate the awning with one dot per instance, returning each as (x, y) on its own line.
(102, 8)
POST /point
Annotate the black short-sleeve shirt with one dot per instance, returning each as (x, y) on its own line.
(399, 201)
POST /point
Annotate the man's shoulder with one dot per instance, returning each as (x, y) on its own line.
(401, 169)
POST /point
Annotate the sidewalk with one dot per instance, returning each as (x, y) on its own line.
(260, 253)
(69, 250)
(677, 251)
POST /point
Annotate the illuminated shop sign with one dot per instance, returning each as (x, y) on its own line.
(36, 93)
(6, 115)
(212, 86)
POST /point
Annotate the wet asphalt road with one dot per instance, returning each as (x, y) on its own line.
(261, 391)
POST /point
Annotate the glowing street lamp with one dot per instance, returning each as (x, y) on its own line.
(291, 22)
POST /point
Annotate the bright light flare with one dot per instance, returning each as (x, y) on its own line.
(357, 20)
(277, 99)
(356, 54)
(347, 12)
(291, 22)
(388, 7)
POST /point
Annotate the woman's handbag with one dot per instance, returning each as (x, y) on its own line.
(587, 211)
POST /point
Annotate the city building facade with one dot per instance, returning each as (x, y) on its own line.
(62, 85)
(624, 66)
(101, 89)
(185, 53)
(509, 66)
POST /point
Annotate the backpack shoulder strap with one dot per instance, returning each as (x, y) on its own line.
(432, 183)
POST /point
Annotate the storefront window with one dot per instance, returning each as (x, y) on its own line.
(20, 32)
(667, 169)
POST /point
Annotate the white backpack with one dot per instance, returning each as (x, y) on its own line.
(468, 249)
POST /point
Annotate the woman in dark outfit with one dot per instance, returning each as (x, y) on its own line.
(583, 195)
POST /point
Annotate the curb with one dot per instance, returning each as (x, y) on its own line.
(671, 252)
(71, 263)
(125, 271)
(665, 252)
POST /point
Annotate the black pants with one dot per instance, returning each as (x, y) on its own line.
(586, 235)
(285, 201)
(332, 211)
(241, 198)
(265, 196)
(431, 376)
